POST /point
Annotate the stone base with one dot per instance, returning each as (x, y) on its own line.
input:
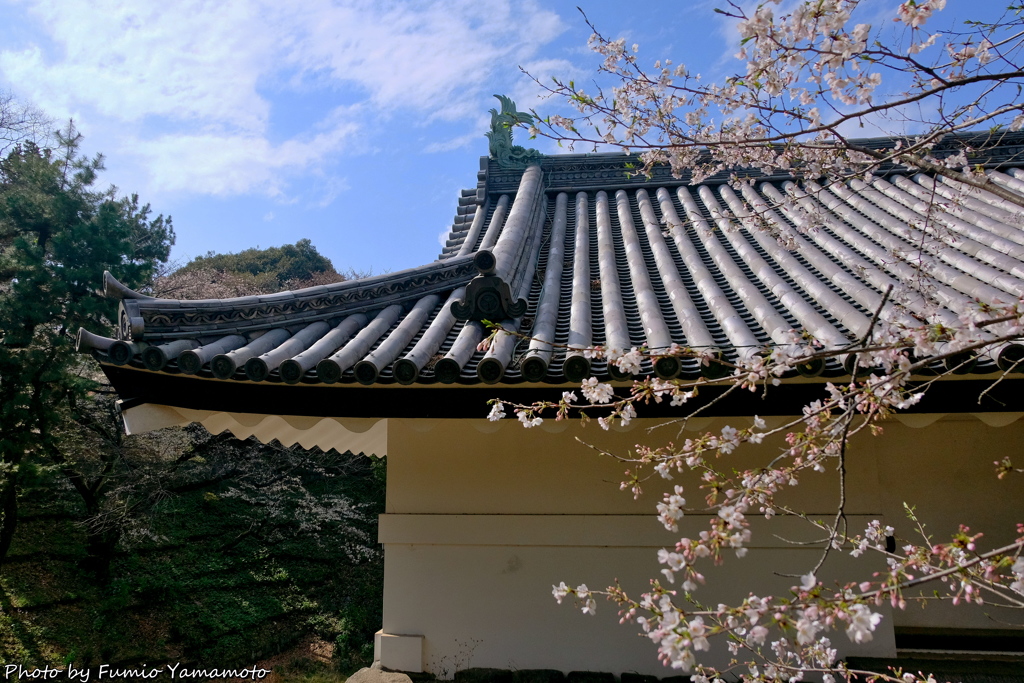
(374, 674)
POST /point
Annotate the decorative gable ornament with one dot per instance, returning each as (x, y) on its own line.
(500, 136)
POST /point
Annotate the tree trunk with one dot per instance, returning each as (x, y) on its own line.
(100, 547)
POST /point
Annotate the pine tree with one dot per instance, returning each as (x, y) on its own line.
(57, 236)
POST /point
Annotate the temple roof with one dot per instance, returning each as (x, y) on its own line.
(573, 251)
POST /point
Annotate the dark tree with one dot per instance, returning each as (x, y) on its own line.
(57, 236)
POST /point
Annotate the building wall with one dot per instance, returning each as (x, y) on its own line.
(483, 518)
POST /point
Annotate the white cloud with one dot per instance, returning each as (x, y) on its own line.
(235, 164)
(457, 142)
(195, 63)
(186, 85)
(328, 190)
(432, 58)
(530, 93)
(442, 237)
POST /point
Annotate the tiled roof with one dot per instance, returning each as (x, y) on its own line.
(574, 253)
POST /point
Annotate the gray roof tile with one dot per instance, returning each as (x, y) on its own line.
(602, 258)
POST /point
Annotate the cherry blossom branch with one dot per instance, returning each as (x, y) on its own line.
(811, 60)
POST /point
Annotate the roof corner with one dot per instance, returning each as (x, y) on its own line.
(112, 289)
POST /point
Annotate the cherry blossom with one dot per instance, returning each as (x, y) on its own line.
(806, 71)
(597, 392)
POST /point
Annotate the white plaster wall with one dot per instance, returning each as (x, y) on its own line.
(482, 518)
(482, 588)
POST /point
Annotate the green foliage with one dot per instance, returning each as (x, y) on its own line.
(57, 236)
(207, 549)
(190, 593)
(275, 265)
(306, 670)
(252, 272)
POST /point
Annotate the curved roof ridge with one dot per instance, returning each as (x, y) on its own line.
(147, 318)
(497, 292)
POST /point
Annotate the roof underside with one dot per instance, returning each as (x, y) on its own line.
(600, 258)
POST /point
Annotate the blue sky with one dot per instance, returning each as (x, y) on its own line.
(352, 123)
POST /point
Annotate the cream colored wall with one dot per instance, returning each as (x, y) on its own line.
(481, 467)
(946, 471)
(482, 518)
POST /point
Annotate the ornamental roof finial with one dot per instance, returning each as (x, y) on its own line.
(501, 148)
